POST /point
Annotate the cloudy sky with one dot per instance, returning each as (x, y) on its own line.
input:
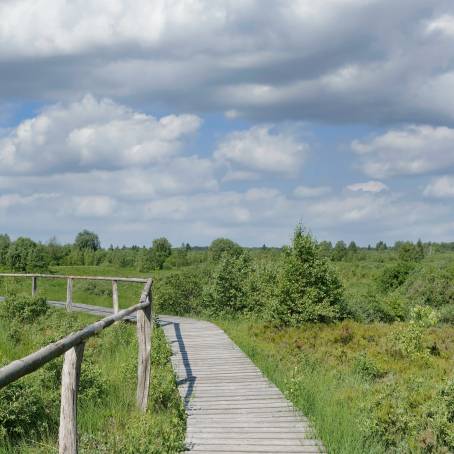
(195, 119)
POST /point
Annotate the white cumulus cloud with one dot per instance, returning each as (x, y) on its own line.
(262, 149)
(442, 187)
(92, 134)
(413, 150)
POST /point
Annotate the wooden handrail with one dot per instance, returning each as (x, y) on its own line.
(63, 276)
(72, 346)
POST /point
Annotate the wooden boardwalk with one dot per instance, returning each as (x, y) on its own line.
(231, 406)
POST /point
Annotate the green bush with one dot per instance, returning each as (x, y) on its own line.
(393, 276)
(26, 255)
(308, 288)
(179, 293)
(431, 285)
(221, 246)
(23, 410)
(23, 308)
(367, 368)
(227, 291)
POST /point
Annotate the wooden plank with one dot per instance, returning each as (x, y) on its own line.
(67, 436)
(69, 294)
(115, 302)
(90, 278)
(144, 335)
(34, 285)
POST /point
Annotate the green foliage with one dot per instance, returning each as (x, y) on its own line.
(221, 246)
(87, 240)
(340, 251)
(5, 243)
(367, 368)
(325, 248)
(352, 247)
(431, 285)
(23, 411)
(381, 246)
(308, 288)
(179, 293)
(408, 340)
(160, 251)
(227, 292)
(409, 252)
(393, 276)
(24, 255)
(23, 308)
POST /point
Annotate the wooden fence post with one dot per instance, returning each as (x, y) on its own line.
(69, 295)
(115, 302)
(70, 377)
(144, 333)
(34, 285)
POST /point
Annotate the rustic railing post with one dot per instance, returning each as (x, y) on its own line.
(115, 302)
(69, 295)
(34, 285)
(144, 333)
(70, 377)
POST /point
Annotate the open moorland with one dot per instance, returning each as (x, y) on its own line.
(360, 339)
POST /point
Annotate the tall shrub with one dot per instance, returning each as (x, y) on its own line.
(308, 289)
(227, 292)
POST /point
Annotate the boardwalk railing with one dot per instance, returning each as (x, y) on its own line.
(72, 346)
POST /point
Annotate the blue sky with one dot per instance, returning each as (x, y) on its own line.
(199, 119)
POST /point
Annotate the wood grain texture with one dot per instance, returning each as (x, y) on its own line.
(144, 334)
(231, 406)
(69, 295)
(34, 285)
(115, 302)
(70, 377)
(85, 278)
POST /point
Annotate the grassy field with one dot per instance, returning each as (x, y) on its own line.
(107, 418)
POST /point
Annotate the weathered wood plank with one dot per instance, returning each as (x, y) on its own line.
(144, 334)
(115, 302)
(91, 278)
(34, 285)
(67, 436)
(69, 294)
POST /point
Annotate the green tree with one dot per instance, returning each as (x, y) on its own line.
(381, 246)
(308, 290)
(325, 248)
(409, 252)
(26, 255)
(339, 251)
(160, 251)
(87, 240)
(352, 247)
(220, 246)
(227, 291)
(5, 243)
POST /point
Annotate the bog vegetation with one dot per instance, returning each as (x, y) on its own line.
(360, 338)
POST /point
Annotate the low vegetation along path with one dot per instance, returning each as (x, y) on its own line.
(231, 406)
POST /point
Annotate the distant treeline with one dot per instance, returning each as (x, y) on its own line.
(26, 255)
